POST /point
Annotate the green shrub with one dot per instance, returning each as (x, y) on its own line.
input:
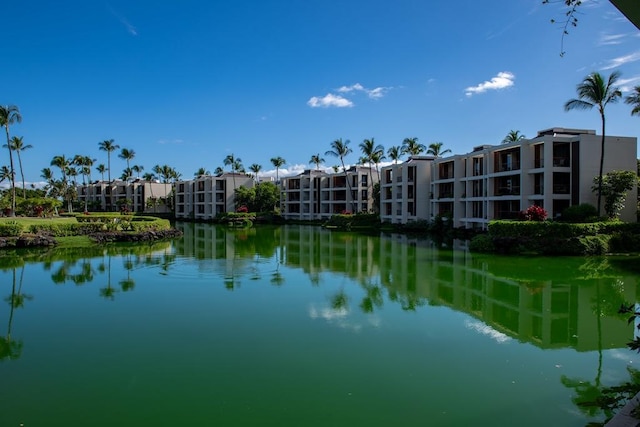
(482, 243)
(583, 212)
(10, 229)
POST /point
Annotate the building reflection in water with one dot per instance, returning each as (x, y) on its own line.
(549, 302)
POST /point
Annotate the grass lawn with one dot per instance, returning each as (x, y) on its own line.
(27, 221)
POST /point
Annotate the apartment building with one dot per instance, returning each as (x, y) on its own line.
(314, 194)
(205, 196)
(138, 195)
(405, 190)
(554, 170)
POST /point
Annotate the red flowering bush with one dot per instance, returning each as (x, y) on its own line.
(534, 213)
(242, 209)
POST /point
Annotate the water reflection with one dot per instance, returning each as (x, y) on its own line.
(549, 302)
(10, 348)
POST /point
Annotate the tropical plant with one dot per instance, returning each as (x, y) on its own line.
(435, 149)
(236, 165)
(127, 155)
(513, 136)
(634, 100)
(395, 153)
(614, 186)
(17, 144)
(109, 146)
(255, 168)
(595, 91)
(340, 149)
(316, 160)
(10, 114)
(277, 162)
(201, 171)
(412, 147)
(373, 153)
(101, 169)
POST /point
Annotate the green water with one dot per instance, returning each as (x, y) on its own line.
(299, 326)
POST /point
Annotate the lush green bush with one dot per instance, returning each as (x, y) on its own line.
(349, 221)
(482, 243)
(580, 213)
(10, 229)
(560, 238)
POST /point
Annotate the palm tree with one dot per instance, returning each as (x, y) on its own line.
(634, 99)
(218, 171)
(394, 153)
(316, 160)
(412, 147)
(101, 169)
(5, 173)
(10, 114)
(236, 164)
(371, 152)
(594, 91)
(340, 149)
(137, 169)
(255, 168)
(277, 162)
(17, 145)
(435, 149)
(109, 146)
(513, 136)
(201, 172)
(128, 155)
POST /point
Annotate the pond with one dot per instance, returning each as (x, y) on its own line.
(301, 326)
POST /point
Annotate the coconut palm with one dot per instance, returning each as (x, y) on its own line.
(340, 149)
(5, 173)
(395, 153)
(101, 169)
(435, 149)
(316, 160)
(513, 136)
(218, 171)
(236, 164)
(594, 91)
(10, 114)
(277, 162)
(201, 172)
(411, 146)
(17, 144)
(127, 155)
(137, 169)
(372, 152)
(255, 168)
(109, 146)
(634, 100)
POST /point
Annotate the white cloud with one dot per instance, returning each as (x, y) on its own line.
(130, 28)
(488, 331)
(329, 100)
(621, 60)
(627, 85)
(170, 141)
(375, 93)
(503, 80)
(611, 39)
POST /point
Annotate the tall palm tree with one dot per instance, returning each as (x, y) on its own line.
(5, 173)
(371, 152)
(634, 100)
(109, 146)
(395, 153)
(411, 146)
(137, 169)
(435, 149)
(10, 114)
(340, 149)
(594, 91)
(101, 169)
(255, 168)
(277, 162)
(17, 145)
(201, 171)
(127, 155)
(316, 160)
(63, 186)
(218, 171)
(236, 164)
(513, 136)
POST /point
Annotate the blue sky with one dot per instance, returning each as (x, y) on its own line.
(187, 83)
